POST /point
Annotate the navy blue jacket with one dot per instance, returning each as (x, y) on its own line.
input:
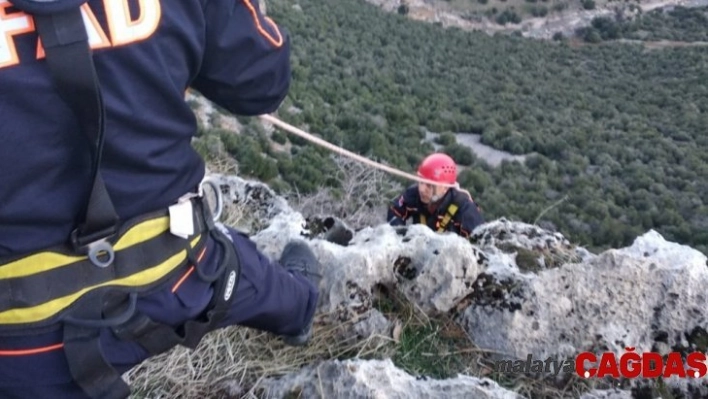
(145, 59)
(409, 206)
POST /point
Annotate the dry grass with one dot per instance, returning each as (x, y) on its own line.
(211, 148)
(230, 363)
(360, 200)
(549, 208)
(234, 215)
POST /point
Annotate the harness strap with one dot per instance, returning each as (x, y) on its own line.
(68, 57)
(94, 374)
(84, 356)
(449, 214)
(157, 337)
(451, 210)
(41, 289)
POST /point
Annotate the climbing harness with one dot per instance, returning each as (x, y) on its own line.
(451, 210)
(449, 215)
(94, 281)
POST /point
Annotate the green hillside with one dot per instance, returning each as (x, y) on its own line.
(618, 130)
(677, 24)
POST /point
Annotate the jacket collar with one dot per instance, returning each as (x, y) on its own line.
(442, 203)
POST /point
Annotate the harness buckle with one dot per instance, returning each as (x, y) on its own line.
(96, 246)
(209, 181)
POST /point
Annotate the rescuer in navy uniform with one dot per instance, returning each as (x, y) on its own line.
(440, 207)
(146, 54)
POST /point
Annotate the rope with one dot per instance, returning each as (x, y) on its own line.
(307, 136)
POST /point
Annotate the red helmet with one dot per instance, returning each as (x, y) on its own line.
(438, 167)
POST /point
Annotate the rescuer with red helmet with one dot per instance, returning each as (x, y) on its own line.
(443, 207)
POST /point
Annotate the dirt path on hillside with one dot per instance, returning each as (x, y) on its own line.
(568, 22)
(658, 45)
(649, 45)
(565, 22)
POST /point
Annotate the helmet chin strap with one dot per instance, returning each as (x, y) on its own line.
(435, 198)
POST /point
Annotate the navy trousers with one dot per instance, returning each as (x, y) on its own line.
(267, 298)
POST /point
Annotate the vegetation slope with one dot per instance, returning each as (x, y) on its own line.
(616, 134)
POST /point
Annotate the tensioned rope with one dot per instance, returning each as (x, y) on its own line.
(307, 136)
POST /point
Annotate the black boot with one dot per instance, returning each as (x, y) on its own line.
(297, 257)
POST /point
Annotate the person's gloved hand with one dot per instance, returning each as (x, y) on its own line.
(396, 221)
(401, 230)
(337, 232)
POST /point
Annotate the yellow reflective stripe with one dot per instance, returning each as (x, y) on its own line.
(451, 210)
(48, 309)
(142, 232)
(45, 261)
(37, 263)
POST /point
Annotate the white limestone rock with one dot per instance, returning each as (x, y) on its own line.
(650, 293)
(504, 236)
(607, 394)
(433, 270)
(436, 271)
(501, 231)
(376, 379)
(208, 117)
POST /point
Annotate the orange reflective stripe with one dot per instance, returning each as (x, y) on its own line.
(35, 351)
(395, 212)
(189, 271)
(277, 42)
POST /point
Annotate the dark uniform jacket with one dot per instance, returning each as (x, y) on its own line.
(147, 54)
(408, 206)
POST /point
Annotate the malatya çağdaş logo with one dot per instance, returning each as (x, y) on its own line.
(628, 365)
